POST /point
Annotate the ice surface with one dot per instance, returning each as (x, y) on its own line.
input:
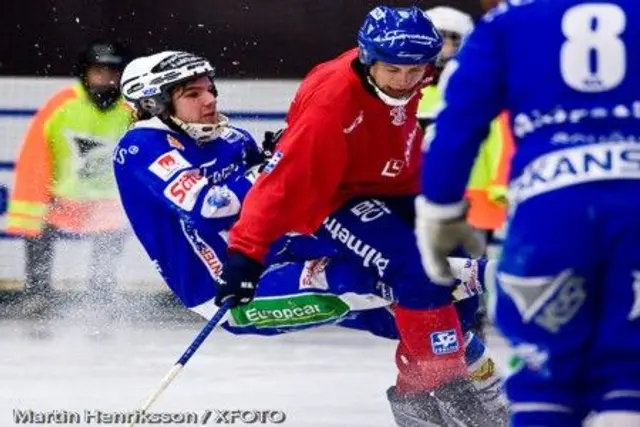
(326, 377)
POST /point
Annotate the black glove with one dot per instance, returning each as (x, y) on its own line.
(239, 280)
(270, 141)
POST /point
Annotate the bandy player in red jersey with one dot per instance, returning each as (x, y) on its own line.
(353, 135)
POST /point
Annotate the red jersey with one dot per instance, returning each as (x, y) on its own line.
(341, 141)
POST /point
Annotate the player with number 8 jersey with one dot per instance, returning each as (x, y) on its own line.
(568, 296)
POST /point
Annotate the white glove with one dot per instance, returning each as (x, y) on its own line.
(439, 231)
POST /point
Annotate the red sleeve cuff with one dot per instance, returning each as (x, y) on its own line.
(256, 252)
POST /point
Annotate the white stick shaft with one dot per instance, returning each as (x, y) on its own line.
(163, 385)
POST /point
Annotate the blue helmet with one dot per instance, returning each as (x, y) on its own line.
(402, 36)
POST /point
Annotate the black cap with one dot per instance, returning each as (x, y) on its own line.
(104, 53)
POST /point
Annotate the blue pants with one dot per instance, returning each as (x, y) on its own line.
(363, 260)
(569, 302)
(379, 235)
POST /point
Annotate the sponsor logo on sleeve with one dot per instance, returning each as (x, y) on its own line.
(167, 164)
(273, 162)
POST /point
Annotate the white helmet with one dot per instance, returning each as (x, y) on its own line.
(446, 18)
(147, 82)
(455, 22)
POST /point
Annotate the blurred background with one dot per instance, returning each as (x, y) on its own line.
(261, 50)
(264, 39)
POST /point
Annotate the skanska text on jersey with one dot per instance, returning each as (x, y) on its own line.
(571, 166)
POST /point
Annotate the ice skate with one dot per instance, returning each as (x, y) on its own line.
(456, 404)
(462, 406)
(417, 410)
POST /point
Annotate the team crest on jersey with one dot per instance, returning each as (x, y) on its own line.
(399, 115)
(175, 143)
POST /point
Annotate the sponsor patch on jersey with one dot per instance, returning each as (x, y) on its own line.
(370, 210)
(444, 342)
(273, 162)
(173, 142)
(313, 275)
(185, 188)
(289, 311)
(167, 164)
(392, 168)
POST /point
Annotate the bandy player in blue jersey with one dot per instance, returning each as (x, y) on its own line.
(568, 294)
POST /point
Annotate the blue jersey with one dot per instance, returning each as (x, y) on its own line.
(567, 72)
(181, 198)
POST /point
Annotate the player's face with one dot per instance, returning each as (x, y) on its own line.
(195, 102)
(451, 44)
(102, 76)
(397, 81)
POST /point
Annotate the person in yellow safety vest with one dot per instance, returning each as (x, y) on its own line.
(63, 180)
(486, 189)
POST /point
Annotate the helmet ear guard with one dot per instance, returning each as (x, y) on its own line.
(154, 105)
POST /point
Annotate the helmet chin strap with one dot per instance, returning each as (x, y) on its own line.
(203, 132)
(388, 99)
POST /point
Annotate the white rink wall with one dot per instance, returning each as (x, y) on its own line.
(268, 99)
